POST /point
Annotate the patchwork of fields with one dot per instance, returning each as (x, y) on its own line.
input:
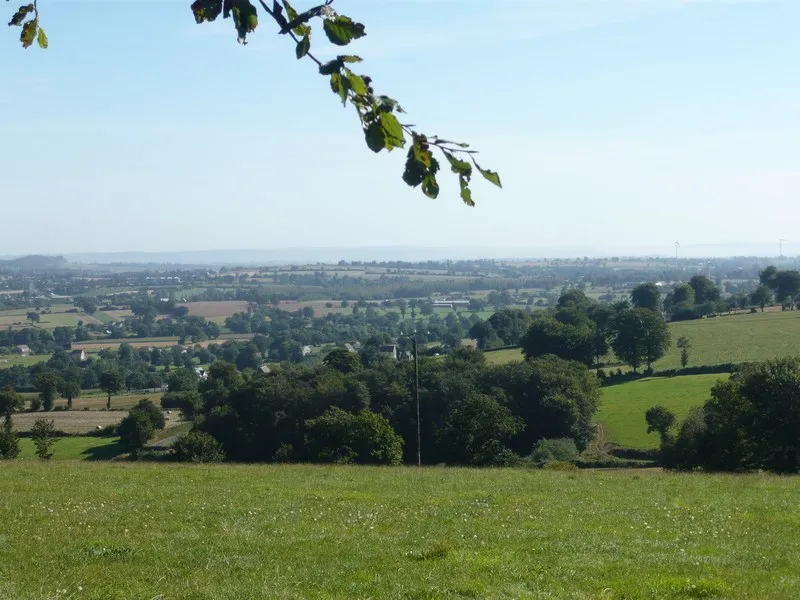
(85, 530)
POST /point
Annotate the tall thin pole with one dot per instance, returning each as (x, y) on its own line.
(416, 393)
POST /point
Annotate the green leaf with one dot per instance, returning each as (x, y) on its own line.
(342, 30)
(430, 187)
(375, 137)
(357, 83)
(301, 29)
(303, 46)
(459, 166)
(488, 175)
(227, 7)
(245, 19)
(28, 33)
(340, 85)
(392, 131)
(206, 10)
(389, 104)
(350, 58)
(41, 38)
(20, 15)
(466, 193)
(415, 170)
(331, 67)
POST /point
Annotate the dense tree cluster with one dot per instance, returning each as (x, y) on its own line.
(751, 421)
(345, 411)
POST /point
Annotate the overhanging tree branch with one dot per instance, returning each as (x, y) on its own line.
(377, 113)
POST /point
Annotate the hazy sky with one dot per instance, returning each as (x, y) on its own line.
(634, 122)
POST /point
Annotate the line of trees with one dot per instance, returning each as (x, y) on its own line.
(345, 411)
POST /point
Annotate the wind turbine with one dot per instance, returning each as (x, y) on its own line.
(677, 245)
(780, 241)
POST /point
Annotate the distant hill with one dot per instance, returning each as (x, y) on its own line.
(34, 261)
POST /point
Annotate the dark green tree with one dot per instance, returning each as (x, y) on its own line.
(660, 419)
(704, 289)
(640, 336)
(135, 430)
(646, 295)
(33, 317)
(343, 360)
(761, 297)
(111, 383)
(476, 429)
(10, 402)
(547, 335)
(787, 286)
(48, 384)
(69, 390)
(197, 447)
(510, 324)
(685, 345)
(342, 437)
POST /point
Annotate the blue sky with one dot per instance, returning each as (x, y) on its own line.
(613, 124)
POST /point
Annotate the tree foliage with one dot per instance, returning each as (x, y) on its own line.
(379, 115)
(44, 436)
(751, 421)
(646, 295)
(640, 337)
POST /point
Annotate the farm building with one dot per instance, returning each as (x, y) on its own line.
(23, 349)
(78, 355)
(390, 350)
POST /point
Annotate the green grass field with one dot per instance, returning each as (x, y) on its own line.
(501, 357)
(738, 338)
(76, 448)
(127, 530)
(10, 360)
(623, 406)
(57, 317)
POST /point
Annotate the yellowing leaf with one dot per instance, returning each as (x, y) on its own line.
(41, 38)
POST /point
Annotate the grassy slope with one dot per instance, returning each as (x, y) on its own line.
(739, 338)
(113, 531)
(623, 407)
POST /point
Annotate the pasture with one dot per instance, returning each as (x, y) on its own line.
(501, 357)
(624, 405)
(737, 338)
(92, 530)
(10, 360)
(215, 309)
(76, 448)
(56, 317)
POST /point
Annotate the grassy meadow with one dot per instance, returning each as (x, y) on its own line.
(76, 448)
(91, 531)
(624, 405)
(737, 338)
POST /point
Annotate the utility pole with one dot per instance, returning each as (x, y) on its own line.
(780, 242)
(676, 253)
(416, 393)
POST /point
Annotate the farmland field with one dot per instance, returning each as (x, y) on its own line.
(72, 421)
(88, 530)
(501, 357)
(10, 360)
(623, 406)
(57, 317)
(76, 448)
(738, 338)
(215, 309)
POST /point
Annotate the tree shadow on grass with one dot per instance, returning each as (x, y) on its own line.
(104, 452)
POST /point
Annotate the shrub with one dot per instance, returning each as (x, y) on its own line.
(340, 437)
(135, 430)
(198, 447)
(560, 465)
(43, 434)
(36, 404)
(152, 412)
(560, 449)
(9, 444)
